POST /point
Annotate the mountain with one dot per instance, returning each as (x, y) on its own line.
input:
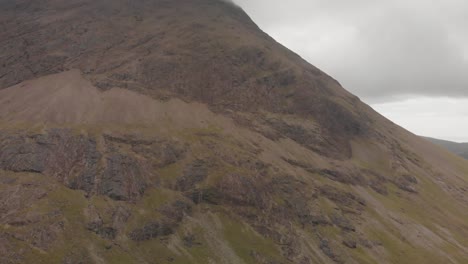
(460, 149)
(176, 131)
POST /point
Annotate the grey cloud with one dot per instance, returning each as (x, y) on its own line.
(379, 50)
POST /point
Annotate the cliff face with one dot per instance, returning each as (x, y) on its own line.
(178, 132)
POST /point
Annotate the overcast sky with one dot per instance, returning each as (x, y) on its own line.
(406, 58)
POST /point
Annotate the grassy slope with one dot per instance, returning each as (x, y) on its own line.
(399, 227)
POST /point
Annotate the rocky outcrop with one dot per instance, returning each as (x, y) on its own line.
(406, 182)
(22, 154)
(328, 249)
(76, 161)
(341, 197)
(150, 231)
(122, 178)
(177, 210)
(70, 159)
(159, 152)
(194, 173)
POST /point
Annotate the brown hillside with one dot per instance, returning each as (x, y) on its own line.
(176, 131)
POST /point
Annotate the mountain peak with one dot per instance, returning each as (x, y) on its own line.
(207, 51)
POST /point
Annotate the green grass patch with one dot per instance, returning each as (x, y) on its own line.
(244, 240)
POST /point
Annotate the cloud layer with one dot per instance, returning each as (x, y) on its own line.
(380, 50)
(444, 118)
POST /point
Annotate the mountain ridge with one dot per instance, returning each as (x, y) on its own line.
(460, 149)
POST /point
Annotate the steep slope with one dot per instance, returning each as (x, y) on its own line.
(158, 131)
(460, 149)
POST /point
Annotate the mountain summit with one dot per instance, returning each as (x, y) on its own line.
(176, 131)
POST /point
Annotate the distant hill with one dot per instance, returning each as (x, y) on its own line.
(457, 148)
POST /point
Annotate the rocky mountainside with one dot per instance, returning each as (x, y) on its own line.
(176, 131)
(460, 149)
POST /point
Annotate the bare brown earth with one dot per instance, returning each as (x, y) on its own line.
(68, 98)
(178, 132)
